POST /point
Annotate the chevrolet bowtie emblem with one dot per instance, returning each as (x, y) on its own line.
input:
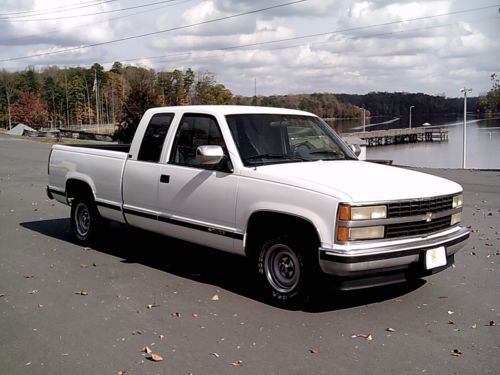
(428, 217)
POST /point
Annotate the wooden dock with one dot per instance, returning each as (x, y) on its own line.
(398, 136)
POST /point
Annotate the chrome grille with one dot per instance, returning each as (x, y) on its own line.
(417, 228)
(419, 207)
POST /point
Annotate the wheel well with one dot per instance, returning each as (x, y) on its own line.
(264, 224)
(77, 188)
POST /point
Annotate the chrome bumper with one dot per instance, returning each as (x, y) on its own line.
(358, 262)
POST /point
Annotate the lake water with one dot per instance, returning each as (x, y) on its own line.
(483, 142)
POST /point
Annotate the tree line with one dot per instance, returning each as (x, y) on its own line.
(56, 97)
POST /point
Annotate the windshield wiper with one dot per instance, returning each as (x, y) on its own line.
(275, 156)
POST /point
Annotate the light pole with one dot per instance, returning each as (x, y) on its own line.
(464, 154)
(412, 106)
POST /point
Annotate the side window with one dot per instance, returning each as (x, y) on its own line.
(195, 130)
(154, 137)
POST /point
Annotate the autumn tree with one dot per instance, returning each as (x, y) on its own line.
(31, 110)
(7, 84)
(208, 91)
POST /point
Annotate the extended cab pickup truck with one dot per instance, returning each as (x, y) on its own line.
(275, 185)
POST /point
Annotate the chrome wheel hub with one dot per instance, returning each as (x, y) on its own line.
(82, 219)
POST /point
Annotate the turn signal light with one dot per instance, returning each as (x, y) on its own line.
(344, 212)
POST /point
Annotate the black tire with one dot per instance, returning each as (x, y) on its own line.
(285, 267)
(86, 222)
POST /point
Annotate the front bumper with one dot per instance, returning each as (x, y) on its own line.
(391, 259)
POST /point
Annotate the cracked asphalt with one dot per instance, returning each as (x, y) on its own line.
(199, 310)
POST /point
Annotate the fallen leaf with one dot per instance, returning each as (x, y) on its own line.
(137, 332)
(82, 293)
(84, 265)
(94, 265)
(161, 337)
(29, 276)
(450, 312)
(216, 355)
(451, 322)
(2, 295)
(155, 358)
(87, 248)
(367, 337)
(40, 305)
(491, 323)
(239, 362)
(147, 350)
(474, 326)
(33, 292)
(153, 305)
(456, 353)
(215, 297)
(194, 315)
(121, 372)
(176, 314)
(390, 329)
(313, 351)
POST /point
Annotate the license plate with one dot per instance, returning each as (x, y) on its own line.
(435, 258)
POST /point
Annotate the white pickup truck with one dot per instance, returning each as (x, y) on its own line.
(275, 185)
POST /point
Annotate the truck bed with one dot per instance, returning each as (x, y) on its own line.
(125, 147)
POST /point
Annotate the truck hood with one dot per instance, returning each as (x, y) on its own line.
(358, 180)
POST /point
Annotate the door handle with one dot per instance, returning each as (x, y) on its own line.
(165, 179)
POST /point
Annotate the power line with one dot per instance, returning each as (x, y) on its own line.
(55, 31)
(87, 14)
(65, 8)
(155, 32)
(240, 46)
(333, 32)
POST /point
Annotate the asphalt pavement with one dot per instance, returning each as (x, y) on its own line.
(66, 309)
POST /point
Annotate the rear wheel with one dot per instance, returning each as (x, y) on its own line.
(284, 268)
(85, 219)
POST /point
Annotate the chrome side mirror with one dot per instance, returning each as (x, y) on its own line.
(209, 155)
(356, 149)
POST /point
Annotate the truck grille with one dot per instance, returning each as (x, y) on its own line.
(417, 228)
(419, 207)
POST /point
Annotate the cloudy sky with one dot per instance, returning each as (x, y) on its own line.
(300, 47)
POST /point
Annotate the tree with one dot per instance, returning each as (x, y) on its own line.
(30, 110)
(208, 91)
(117, 68)
(8, 88)
(140, 98)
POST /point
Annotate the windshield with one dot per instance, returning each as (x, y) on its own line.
(275, 138)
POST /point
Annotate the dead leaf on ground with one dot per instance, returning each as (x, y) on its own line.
(155, 357)
(147, 350)
(2, 295)
(450, 312)
(451, 322)
(390, 329)
(474, 326)
(121, 372)
(87, 248)
(456, 353)
(239, 362)
(137, 332)
(82, 293)
(33, 292)
(491, 323)
(313, 351)
(40, 305)
(94, 265)
(216, 355)
(176, 314)
(194, 315)
(215, 297)
(367, 337)
(84, 265)
(161, 337)
(29, 276)
(152, 305)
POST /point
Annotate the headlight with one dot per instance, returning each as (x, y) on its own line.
(458, 201)
(347, 212)
(456, 218)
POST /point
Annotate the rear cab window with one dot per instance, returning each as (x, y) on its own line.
(154, 137)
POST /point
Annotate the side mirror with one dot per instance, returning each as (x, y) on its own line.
(209, 154)
(356, 149)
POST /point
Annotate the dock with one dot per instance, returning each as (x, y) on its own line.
(398, 136)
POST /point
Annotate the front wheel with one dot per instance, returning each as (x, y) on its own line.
(85, 220)
(283, 269)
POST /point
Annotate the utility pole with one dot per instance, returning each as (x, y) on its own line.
(364, 119)
(465, 90)
(96, 89)
(412, 106)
